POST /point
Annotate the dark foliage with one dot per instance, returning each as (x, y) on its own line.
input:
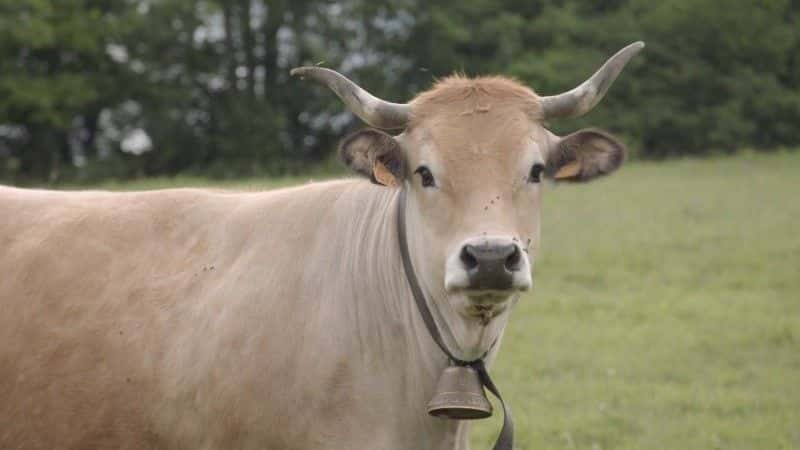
(122, 88)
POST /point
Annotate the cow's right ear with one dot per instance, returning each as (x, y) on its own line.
(374, 154)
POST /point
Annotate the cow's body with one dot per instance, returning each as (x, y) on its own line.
(197, 319)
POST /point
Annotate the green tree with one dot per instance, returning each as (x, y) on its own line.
(56, 78)
(204, 85)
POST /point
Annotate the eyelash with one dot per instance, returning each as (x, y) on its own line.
(536, 173)
(425, 176)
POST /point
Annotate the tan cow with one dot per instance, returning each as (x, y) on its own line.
(198, 319)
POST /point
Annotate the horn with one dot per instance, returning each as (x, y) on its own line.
(459, 395)
(583, 98)
(372, 110)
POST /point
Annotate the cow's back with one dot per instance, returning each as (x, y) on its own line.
(91, 289)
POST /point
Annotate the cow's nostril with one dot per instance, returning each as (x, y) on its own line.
(514, 259)
(468, 258)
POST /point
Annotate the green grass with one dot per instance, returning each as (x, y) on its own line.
(666, 312)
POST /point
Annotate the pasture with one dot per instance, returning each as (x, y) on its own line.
(665, 312)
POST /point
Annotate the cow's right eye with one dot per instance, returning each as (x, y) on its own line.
(425, 176)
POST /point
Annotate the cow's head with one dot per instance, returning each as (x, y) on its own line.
(472, 154)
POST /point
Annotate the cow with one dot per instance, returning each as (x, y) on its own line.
(205, 319)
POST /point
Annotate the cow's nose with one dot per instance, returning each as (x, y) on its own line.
(491, 266)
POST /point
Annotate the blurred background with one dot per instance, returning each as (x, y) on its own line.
(119, 89)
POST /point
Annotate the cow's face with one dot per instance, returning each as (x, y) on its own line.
(473, 154)
(473, 158)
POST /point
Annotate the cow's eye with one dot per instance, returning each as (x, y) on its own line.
(536, 173)
(425, 176)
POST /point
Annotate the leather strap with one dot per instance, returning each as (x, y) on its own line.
(505, 441)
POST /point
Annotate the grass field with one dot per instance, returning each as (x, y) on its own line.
(666, 312)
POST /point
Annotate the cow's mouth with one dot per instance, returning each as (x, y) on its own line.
(487, 305)
(487, 298)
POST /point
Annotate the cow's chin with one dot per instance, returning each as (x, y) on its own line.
(485, 305)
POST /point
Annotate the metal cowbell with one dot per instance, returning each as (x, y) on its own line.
(459, 395)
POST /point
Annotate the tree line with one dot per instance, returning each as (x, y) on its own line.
(125, 88)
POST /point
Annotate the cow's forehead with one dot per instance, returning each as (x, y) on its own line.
(469, 154)
(475, 128)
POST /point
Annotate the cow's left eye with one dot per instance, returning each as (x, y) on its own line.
(536, 173)
(425, 176)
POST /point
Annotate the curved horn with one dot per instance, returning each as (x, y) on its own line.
(583, 98)
(372, 110)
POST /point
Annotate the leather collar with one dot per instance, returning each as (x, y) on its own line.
(505, 441)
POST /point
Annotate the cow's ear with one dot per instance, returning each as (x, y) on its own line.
(374, 154)
(584, 156)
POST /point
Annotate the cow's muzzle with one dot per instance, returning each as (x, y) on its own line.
(488, 265)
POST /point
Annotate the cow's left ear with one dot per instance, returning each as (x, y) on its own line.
(584, 156)
(374, 154)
